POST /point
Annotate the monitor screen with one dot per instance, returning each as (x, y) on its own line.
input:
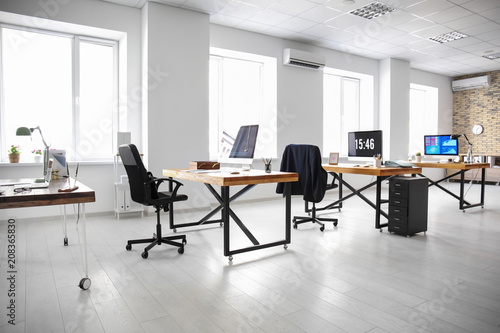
(440, 145)
(244, 144)
(364, 143)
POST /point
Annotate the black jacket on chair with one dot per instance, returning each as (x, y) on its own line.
(306, 160)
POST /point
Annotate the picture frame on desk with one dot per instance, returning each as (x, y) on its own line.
(333, 159)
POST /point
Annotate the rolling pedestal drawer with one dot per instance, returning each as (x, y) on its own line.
(408, 205)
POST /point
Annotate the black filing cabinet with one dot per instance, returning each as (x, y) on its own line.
(408, 205)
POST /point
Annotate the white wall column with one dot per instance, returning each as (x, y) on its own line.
(394, 108)
(176, 52)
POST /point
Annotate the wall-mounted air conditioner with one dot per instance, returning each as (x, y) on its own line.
(471, 83)
(303, 59)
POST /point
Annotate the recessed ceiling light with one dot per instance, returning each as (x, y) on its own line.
(372, 10)
(451, 36)
(492, 56)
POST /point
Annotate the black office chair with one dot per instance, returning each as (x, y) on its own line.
(144, 190)
(306, 160)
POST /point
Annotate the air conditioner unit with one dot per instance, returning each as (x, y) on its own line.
(472, 83)
(303, 59)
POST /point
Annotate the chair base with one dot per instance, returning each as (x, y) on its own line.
(314, 219)
(170, 240)
(157, 238)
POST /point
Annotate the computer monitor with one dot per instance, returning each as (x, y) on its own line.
(243, 148)
(364, 143)
(441, 144)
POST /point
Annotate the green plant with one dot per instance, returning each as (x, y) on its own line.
(37, 152)
(417, 154)
(14, 150)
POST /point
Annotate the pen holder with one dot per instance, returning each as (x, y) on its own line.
(377, 163)
(267, 167)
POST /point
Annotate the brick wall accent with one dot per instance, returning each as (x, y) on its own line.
(479, 106)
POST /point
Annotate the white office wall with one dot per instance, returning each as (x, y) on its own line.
(300, 91)
(186, 114)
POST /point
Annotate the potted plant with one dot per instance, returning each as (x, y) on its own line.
(37, 155)
(14, 153)
(419, 157)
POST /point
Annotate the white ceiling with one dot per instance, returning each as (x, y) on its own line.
(402, 34)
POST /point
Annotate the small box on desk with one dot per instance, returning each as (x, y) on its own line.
(204, 165)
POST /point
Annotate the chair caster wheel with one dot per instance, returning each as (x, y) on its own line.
(184, 241)
(174, 230)
(295, 225)
(180, 250)
(144, 254)
(230, 258)
(84, 283)
(65, 241)
(285, 246)
(128, 247)
(335, 224)
(322, 228)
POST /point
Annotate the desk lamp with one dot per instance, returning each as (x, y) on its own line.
(469, 152)
(25, 131)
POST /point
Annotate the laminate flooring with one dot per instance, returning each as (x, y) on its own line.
(351, 278)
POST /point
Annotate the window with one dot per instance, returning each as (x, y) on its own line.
(66, 85)
(423, 115)
(343, 109)
(242, 92)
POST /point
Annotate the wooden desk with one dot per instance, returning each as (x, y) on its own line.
(225, 180)
(48, 197)
(462, 169)
(381, 174)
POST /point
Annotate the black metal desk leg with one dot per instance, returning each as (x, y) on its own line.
(288, 213)
(483, 181)
(225, 219)
(378, 203)
(462, 181)
(340, 177)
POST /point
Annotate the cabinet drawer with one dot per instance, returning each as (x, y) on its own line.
(398, 210)
(398, 228)
(399, 184)
(403, 202)
(399, 193)
(398, 219)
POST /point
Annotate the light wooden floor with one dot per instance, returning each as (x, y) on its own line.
(352, 278)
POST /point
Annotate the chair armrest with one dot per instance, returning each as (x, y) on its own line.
(158, 181)
(332, 185)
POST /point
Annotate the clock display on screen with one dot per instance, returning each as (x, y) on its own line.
(365, 143)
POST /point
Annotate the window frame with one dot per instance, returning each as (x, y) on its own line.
(267, 117)
(335, 137)
(76, 40)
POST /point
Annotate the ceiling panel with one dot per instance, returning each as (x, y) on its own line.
(402, 33)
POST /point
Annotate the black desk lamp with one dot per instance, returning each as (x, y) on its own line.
(469, 152)
(25, 131)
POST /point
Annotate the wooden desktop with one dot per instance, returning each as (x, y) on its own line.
(225, 180)
(381, 173)
(461, 169)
